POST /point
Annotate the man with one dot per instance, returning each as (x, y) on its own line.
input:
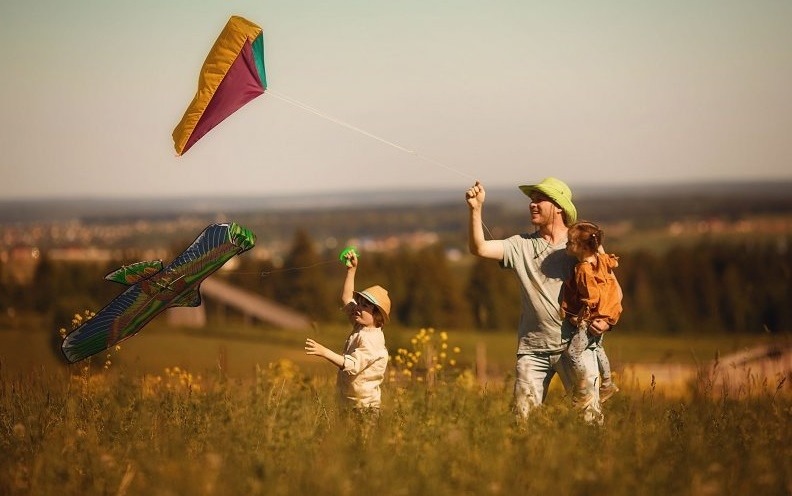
(540, 261)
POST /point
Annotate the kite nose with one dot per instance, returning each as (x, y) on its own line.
(242, 237)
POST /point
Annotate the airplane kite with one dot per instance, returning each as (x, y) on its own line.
(153, 288)
(232, 75)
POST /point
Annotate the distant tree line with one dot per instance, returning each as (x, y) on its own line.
(707, 287)
(729, 287)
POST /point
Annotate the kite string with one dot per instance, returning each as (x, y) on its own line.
(267, 273)
(335, 120)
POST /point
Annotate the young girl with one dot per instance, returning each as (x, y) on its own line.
(592, 293)
(361, 367)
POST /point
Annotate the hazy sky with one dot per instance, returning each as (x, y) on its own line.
(597, 93)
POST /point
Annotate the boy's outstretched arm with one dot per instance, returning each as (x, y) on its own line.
(314, 348)
(348, 291)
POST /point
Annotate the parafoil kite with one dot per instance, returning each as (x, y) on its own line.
(153, 288)
(232, 75)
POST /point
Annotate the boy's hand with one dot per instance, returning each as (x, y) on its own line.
(349, 256)
(351, 259)
(314, 348)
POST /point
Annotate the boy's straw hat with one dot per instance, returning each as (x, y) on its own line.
(558, 192)
(379, 297)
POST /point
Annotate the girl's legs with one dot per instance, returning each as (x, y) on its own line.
(603, 363)
(574, 353)
(607, 387)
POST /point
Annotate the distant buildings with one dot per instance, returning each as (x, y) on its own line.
(19, 264)
(23, 246)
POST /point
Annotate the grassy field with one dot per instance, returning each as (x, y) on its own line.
(238, 349)
(244, 411)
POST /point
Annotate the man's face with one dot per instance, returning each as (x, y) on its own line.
(542, 209)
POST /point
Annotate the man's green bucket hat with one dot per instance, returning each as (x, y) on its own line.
(558, 192)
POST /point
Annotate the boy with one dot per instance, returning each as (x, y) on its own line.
(361, 367)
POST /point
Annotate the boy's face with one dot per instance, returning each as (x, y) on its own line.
(364, 312)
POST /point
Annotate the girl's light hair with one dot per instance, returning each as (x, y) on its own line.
(587, 234)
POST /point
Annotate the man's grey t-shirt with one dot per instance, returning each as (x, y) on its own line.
(541, 269)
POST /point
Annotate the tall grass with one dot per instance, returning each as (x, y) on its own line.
(83, 431)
